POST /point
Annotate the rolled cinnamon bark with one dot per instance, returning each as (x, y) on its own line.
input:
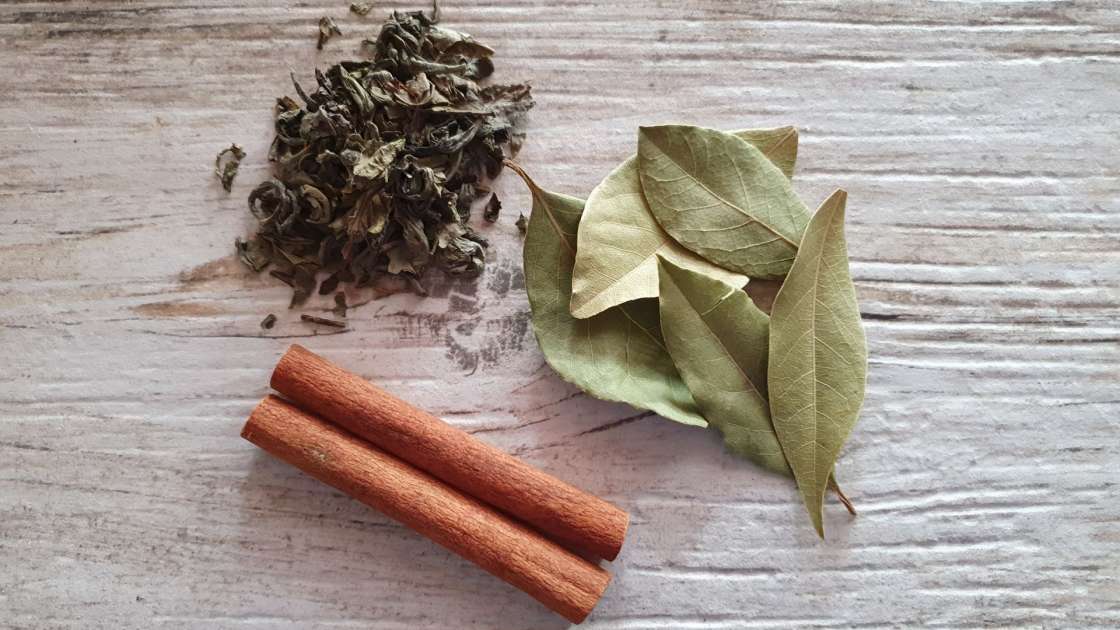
(559, 579)
(571, 516)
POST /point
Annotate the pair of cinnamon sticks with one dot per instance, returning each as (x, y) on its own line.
(517, 522)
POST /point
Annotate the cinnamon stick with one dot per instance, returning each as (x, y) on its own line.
(571, 516)
(559, 579)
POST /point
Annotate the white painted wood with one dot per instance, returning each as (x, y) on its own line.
(978, 142)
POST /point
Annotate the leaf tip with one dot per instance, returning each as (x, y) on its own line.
(654, 134)
(818, 522)
(836, 202)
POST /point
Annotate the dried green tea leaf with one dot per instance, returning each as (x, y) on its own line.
(818, 356)
(618, 245)
(252, 253)
(361, 8)
(719, 342)
(340, 305)
(619, 239)
(720, 197)
(226, 164)
(303, 283)
(493, 209)
(311, 319)
(522, 222)
(376, 166)
(617, 355)
(327, 30)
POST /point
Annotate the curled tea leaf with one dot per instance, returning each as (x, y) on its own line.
(719, 196)
(376, 165)
(618, 355)
(226, 164)
(818, 356)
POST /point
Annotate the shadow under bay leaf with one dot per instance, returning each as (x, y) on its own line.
(329, 555)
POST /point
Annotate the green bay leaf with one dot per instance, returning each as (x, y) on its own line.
(818, 356)
(619, 240)
(618, 245)
(718, 340)
(720, 197)
(778, 144)
(617, 355)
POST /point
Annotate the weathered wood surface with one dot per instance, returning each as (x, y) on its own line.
(978, 142)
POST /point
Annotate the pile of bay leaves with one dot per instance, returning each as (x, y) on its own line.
(637, 296)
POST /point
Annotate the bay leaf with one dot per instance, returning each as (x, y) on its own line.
(719, 341)
(617, 355)
(818, 356)
(618, 244)
(719, 196)
(778, 144)
(619, 240)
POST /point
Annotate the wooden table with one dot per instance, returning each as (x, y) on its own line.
(979, 144)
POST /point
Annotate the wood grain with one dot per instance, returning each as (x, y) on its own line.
(977, 141)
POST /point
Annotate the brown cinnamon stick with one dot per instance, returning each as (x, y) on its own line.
(571, 516)
(559, 579)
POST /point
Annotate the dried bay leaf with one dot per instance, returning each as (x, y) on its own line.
(618, 245)
(818, 356)
(619, 240)
(719, 196)
(718, 340)
(778, 144)
(617, 355)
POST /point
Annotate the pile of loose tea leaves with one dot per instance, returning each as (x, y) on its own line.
(636, 296)
(376, 168)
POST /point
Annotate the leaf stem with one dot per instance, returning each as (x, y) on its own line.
(840, 495)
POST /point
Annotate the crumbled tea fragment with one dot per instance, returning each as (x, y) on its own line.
(493, 208)
(268, 322)
(361, 8)
(311, 319)
(226, 164)
(327, 30)
(339, 304)
(522, 222)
